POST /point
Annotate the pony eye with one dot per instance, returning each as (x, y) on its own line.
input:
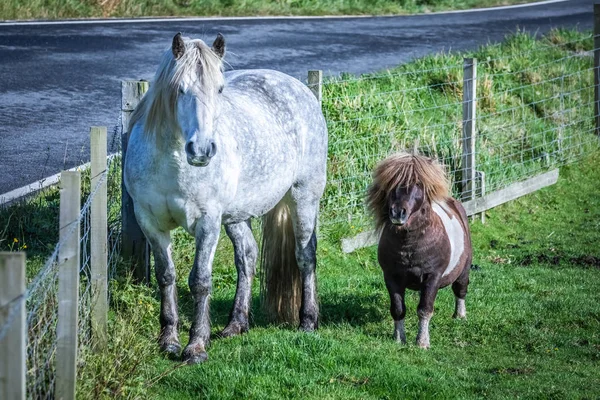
(221, 89)
(181, 91)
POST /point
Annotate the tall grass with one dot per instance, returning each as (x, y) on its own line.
(58, 9)
(534, 113)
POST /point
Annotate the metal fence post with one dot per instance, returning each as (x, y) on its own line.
(98, 238)
(13, 332)
(68, 284)
(134, 248)
(315, 83)
(468, 139)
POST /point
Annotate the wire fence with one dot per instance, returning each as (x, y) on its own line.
(534, 112)
(41, 296)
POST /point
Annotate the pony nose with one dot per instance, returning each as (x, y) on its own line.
(398, 217)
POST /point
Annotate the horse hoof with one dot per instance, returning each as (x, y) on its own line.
(308, 326)
(424, 346)
(190, 357)
(170, 348)
(234, 329)
(459, 316)
(194, 353)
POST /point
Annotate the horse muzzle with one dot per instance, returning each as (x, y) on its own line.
(200, 159)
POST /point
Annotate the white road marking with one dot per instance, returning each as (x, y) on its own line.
(282, 17)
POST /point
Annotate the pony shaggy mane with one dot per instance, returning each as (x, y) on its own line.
(157, 109)
(405, 170)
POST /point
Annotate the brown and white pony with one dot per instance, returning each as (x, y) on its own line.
(425, 241)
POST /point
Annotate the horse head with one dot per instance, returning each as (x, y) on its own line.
(198, 79)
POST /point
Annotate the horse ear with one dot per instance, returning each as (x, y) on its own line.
(178, 46)
(219, 46)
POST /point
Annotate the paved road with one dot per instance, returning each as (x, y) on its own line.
(57, 80)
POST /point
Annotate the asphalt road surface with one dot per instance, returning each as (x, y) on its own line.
(58, 79)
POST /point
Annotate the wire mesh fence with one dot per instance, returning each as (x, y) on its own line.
(534, 112)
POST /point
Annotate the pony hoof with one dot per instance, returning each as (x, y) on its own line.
(459, 316)
(399, 339)
(424, 346)
(191, 357)
(234, 329)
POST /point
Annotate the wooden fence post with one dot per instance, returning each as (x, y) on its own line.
(315, 83)
(68, 285)
(99, 238)
(134, 247)
(597, 66)
(468, 139)
(12, 312)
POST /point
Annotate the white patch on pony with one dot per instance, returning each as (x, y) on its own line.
(455, 233)
(460, 311)
(399, 332)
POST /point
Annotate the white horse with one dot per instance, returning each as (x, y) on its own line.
(210, 148)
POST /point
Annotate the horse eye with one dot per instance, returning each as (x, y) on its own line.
(221, 89)
(181, 91)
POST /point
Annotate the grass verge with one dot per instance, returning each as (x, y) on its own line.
(533, 305)
(58, 9)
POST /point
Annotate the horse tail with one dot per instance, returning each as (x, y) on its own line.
(280, 283)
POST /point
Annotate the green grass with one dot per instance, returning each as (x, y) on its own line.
(533, 305)
(59, 9)
(533, 327)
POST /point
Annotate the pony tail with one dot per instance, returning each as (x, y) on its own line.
(280, 282)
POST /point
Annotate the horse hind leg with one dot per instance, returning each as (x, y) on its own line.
(459, 287)
(304, 217)
(246, 253)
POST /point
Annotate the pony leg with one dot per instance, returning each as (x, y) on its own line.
(397, 307)
(459, 287)
(246, 253)
(160, 242)
(304, 217)
(208, 229)
(425, 311)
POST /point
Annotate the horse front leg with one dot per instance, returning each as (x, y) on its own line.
(200, 282)
(425, 309)
(160, 242)
(246, 254)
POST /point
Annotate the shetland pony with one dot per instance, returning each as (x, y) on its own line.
(209, 148)
(425, 242)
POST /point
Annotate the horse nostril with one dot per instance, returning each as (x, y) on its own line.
(189, 148)
(212, 149)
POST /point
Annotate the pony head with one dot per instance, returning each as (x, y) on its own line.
(183, 100)
(402, 184)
